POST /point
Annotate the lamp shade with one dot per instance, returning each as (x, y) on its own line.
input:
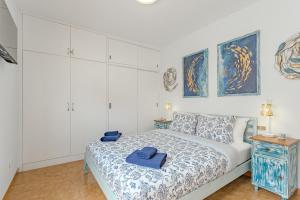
(266, 110)
(168, 106)
(147, 1)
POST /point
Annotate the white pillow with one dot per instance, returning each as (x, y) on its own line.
(239, 129)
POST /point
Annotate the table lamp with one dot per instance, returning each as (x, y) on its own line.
(168, 107)
(266, 111)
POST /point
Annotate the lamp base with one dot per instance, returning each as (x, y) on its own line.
(268, 134)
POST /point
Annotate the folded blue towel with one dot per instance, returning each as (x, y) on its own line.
(156, 162)
(111, 133)
(111, 138)
(147, 152)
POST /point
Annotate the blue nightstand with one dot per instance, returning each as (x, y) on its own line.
(162, 124)
(274, 165)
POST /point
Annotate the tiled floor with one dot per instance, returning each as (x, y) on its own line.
(68, 182)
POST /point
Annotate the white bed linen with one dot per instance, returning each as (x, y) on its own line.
(237, 152)
(244, 151)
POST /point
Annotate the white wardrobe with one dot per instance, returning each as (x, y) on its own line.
(78, 84)
(133, 87)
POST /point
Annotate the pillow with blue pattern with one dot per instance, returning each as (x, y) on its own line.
(184, 123)
(217, 128)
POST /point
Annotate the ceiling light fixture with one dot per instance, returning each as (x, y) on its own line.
(147, 1)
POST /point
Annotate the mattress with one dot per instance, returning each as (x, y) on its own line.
(244, 152)
(191, 163)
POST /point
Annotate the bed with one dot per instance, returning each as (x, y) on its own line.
(195, 168)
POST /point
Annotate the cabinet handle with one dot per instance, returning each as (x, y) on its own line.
(157, 66)
(109, 105)
(72, 51)
(68, 106)
(73, 109)
(110, 57)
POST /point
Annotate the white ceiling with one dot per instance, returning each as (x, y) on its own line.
(157, 24)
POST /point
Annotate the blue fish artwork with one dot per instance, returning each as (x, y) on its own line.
(195, 74)
(238, 66)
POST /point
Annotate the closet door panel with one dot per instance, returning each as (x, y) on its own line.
(123, 99)
(149, 59)
(88, 45)
(45, 36)
(148, 83)
(46, 119)
(123, 53)
(89, 111)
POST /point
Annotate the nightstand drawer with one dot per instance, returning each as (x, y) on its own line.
(268, 149)
(270, 174)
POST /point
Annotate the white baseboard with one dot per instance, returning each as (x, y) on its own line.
(55, 161)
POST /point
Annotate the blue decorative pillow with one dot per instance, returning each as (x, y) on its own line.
(217, 128)
(184, 122)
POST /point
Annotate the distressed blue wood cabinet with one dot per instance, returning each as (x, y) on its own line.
(274, 165)
(162, 124)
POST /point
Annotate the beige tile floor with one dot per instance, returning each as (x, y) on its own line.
(68, 182)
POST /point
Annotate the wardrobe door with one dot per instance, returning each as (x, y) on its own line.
(123, 99)
(89, 110)
(123, 53)
(88, 45)
(46, 119)
(45, 36)
(148, 84)
(149, 59)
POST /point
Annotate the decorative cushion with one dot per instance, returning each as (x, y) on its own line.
(184, 123)
(217, 128)
(239, 129)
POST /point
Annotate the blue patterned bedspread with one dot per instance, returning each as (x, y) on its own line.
(189, 166)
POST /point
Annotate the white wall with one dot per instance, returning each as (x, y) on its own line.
(277, 21)
(9, 149)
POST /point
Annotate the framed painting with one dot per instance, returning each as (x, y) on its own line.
(239, 66)
(195, 74)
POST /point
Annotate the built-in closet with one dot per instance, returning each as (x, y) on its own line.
(76, 85)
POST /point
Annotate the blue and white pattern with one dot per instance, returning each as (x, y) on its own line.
(189, 165)
(184, 122)
(217, 128)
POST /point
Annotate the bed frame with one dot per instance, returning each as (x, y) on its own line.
(201, 193)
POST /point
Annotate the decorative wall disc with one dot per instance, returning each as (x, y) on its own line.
(170, 77)
(288, 58)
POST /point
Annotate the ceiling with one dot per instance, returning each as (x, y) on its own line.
(157, 24)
